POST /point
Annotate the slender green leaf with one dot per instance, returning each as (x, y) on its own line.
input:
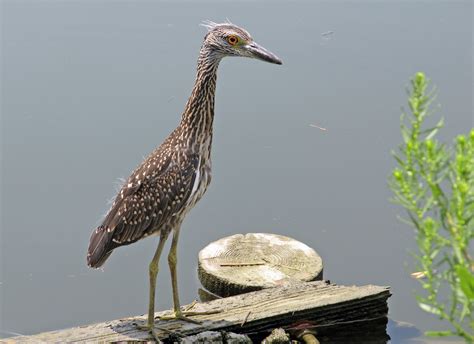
(429, 308)
(439, 333)
(466, 279)
(434, 130)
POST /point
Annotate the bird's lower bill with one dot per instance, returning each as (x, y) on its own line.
(259, 52)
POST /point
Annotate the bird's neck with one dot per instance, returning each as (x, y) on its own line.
(198, 115)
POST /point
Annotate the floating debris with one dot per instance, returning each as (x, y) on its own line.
(327, 35)
(320, 128)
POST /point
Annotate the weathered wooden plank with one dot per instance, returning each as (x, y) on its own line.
(319, 303)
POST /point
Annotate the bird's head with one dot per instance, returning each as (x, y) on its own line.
(227, 39)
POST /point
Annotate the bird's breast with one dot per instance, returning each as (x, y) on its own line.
(202, 177)
(201, 182)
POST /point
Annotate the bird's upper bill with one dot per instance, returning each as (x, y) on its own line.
(228, 39)
(259, 52)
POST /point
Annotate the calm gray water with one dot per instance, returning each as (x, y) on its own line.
(91, 87)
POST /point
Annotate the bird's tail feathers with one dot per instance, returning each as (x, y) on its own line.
(99, 247)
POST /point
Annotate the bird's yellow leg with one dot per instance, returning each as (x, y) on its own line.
(153, 272)
(172, 261)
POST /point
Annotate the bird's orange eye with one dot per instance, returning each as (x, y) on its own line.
(232, 40)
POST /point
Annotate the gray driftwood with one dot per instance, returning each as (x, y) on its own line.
(278, 336)
(214, 337)
(241, 263)
(325, 306)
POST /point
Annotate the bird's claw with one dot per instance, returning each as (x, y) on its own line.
(186, 313)
(181, 316)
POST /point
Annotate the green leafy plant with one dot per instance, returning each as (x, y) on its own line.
(434, 182)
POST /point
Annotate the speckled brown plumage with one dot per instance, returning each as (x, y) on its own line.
(170, 181)
(160, 192)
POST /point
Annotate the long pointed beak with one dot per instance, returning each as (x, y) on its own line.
(259, 52)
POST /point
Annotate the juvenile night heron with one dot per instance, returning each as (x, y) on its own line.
(160, 192)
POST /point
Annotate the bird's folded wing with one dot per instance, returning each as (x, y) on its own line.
(147, 203)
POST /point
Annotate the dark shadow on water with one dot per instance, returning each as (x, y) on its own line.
(402, 332)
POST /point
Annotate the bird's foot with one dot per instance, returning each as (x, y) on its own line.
(181, 316)
(184, 315)
(186, 312)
